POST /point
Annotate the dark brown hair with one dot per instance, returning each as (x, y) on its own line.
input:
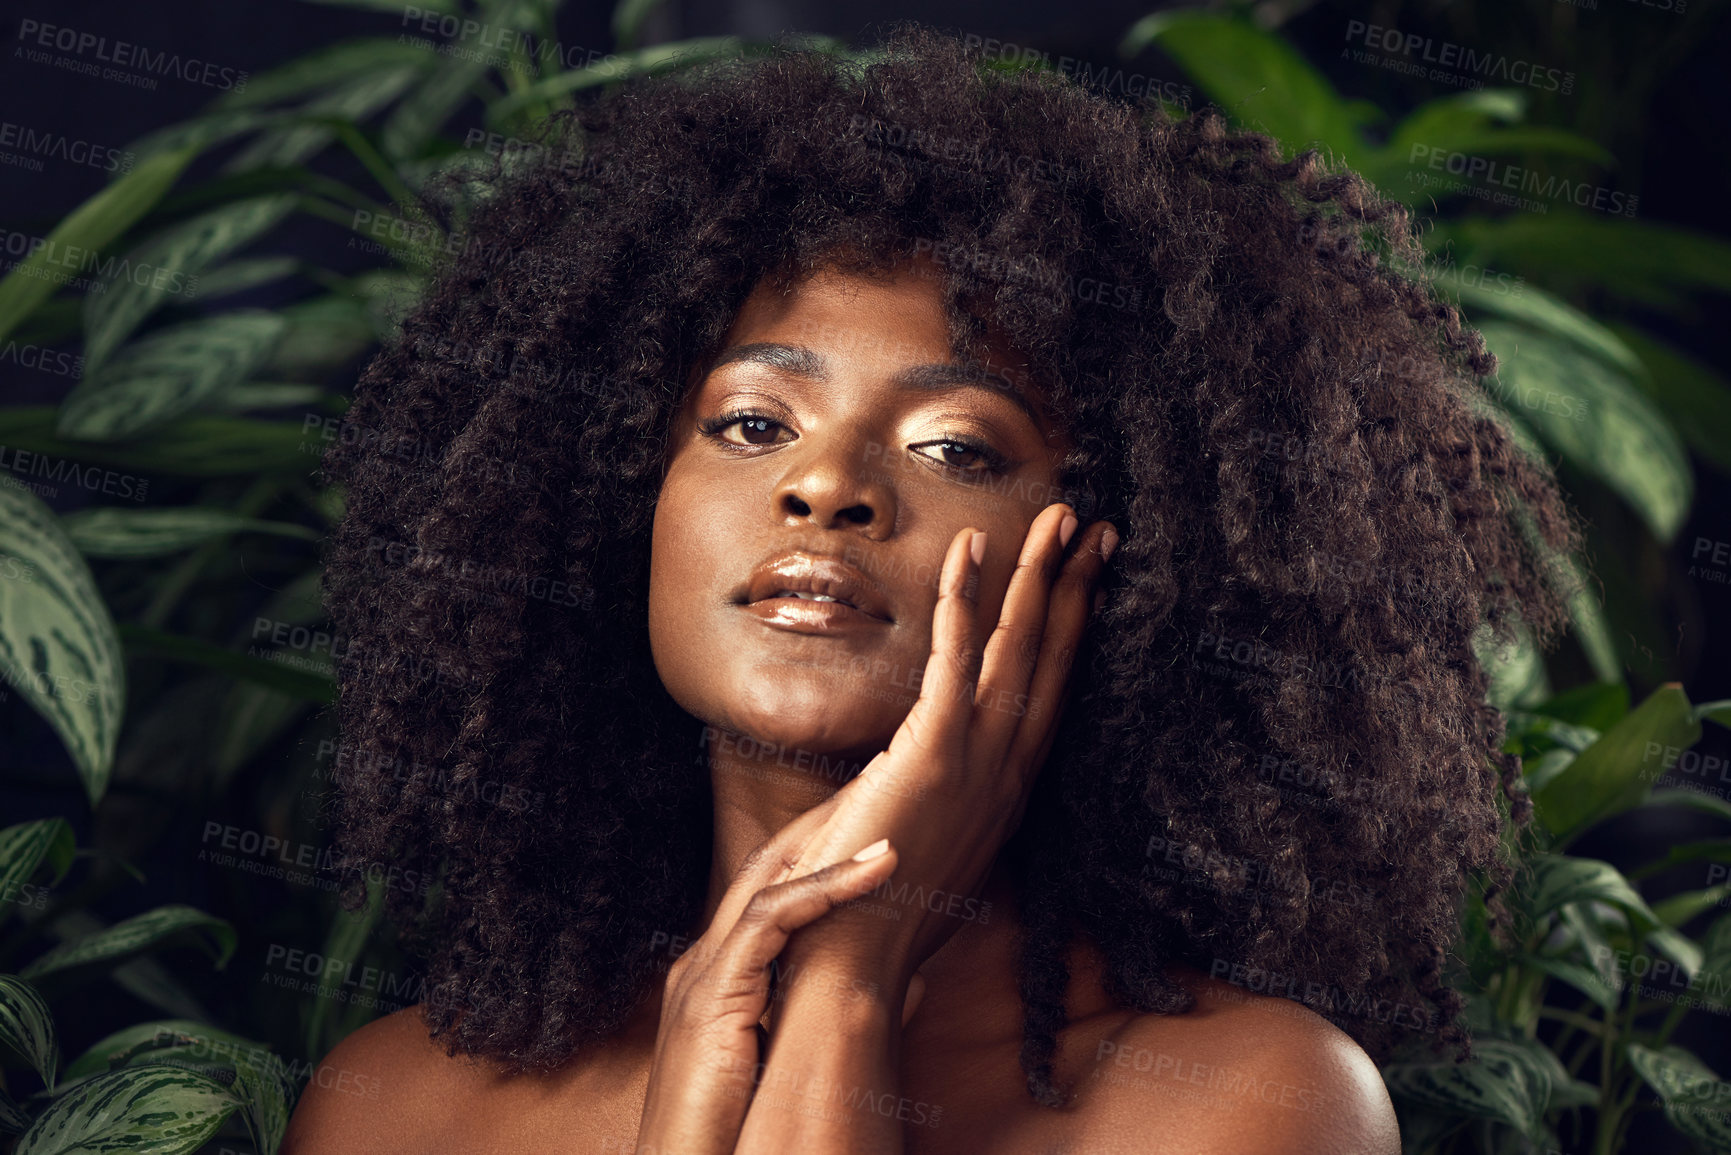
(1278, 758)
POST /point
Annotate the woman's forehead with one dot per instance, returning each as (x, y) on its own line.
(892, 316)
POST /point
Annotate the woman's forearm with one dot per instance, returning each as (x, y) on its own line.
(831, 1079)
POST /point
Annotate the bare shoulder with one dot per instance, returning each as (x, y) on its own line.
(379, 1090)
(1240, 1073)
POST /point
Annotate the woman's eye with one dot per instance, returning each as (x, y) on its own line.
(960, 455)
(753, 430)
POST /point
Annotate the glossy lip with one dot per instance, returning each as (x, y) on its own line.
(858, 599)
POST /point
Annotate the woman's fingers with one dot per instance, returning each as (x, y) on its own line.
(1067, 612)
(1020, 638)
(938, 722)
(739, 970)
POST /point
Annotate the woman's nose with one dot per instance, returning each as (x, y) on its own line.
(834, 488)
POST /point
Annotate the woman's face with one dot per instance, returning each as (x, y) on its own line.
(835, 449)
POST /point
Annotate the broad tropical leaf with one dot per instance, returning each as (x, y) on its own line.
(168, 259)
(133, 936)
(114, 532)
(149, 1110)
(168, 373)
(1616, 772)
(58, 644)
(27, 1027)
(91, 226)
(1695, 1098)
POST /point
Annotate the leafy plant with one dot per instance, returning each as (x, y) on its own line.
(1616, 404)
(1577, 1014)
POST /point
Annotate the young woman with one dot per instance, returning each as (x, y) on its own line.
(903, 607)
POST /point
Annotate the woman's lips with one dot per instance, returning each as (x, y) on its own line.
(804, 616)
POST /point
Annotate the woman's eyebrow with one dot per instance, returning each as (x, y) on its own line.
(803, 362)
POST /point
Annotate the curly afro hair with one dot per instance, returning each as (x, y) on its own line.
(1278, 759)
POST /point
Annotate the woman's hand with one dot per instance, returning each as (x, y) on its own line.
(707, 1046)
(954, 782)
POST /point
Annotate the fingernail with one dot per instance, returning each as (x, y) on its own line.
(881, 845)
(977, 548)
(1108, 543)
(1067, 529)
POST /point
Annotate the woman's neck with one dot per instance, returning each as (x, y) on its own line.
(972, 981)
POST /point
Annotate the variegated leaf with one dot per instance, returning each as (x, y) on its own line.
(169, 373)
(1504, 1082)
(23, 849)
(113, 532)
(164, 264)
(59, 646)
(133, 936)
(27, 1027)
(147, 1110)
(1697, 1101)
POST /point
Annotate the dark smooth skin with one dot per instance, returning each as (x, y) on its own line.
(851, 466)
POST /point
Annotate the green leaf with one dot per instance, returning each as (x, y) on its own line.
(1572, 252)
(1506, 1082)
(1615, 773)
(1692, 800)
(148, 1110)
(1560, 880)
(91, 225)
(1695, 398)
(1595, 705)
(263, 1082)
(1695, 1099)
(1540, 310)
(1583, 978)
(194, 446)
(114, 532)
(323, 333)
(167, 259)
(650, 61)
(134, 936)
(168, 373)
(247, 396)
(629, 16)
(26, 846)
(27, 1027)
(1515, 669)
(142, 641)
(133, 1043)
(1598, 418)
(318, 71)
(12, 1117)
(1680, 908)
(58, 645)
(201, 133)
(249, 273)
(308, 130)
(1255, 76)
